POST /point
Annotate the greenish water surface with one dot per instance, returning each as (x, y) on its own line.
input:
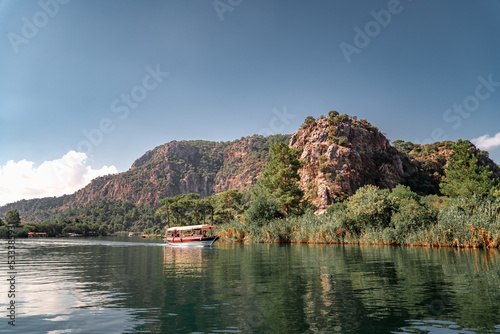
(129, 285)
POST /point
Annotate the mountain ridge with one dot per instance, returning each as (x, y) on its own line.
(340, 154)
(174, 168)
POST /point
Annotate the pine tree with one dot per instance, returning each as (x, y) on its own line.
(464, 176)
(280, 178)
(165, 208)
(228, 203)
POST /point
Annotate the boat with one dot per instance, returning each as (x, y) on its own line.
(37, 235)
(191, 236)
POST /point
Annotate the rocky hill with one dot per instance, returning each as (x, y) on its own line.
(175, 168)
(178, 167)
(430, 160)
(340, 154)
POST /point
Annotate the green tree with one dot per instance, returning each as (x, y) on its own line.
(204, 206)
(280, 178)
(309, 121)
(12, 218)
(165, 208)
(404, 192)
(211, 204)
(403, 146)
(196, 209)
(228, 203)
(263, 209)
(184, 208)
(464, 175)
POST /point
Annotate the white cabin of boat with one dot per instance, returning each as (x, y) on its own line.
(195, 229)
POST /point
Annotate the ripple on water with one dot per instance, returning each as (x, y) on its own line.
(441, 327)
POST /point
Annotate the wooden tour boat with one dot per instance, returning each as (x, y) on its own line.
(191, 236)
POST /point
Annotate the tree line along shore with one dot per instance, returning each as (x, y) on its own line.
(276, 211)
(465, 213)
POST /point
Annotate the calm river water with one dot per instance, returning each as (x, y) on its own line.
(129, 285)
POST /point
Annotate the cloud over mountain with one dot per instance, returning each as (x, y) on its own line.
(487, 142)
(24, 180)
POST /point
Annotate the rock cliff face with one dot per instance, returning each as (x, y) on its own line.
(243, 164)
(168, 170)
(342, 154)
(175, 168)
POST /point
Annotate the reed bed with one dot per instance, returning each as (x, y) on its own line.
(461, 223)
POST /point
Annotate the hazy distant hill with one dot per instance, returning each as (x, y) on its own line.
(341, 154)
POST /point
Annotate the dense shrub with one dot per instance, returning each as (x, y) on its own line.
(410, 217)
(4, 232)
(404, 192)
(342, 140)
(309, 121)
(373, 129)
(324, 167)
(337, 206)
(461, 223)
(374, 216)
(262, 210)
(332, 113)
(368, 207)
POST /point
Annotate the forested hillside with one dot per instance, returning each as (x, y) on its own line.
(338, 154)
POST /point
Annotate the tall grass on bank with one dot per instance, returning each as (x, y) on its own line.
(467, 223)
(306, 229)
(473, 222)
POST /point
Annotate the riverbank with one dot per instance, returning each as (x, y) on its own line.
(460, 223)
(327, 232)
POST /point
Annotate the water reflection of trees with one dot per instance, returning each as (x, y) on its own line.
(352, 288)
(273, 288)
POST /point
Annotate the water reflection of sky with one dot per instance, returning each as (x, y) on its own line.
(51, 296)
(62, 306)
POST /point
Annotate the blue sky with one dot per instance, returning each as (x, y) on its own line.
(88, 86)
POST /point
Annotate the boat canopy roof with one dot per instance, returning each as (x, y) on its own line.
(192, 227)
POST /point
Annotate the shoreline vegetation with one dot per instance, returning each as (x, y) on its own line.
(397, 221)
(372, 216)
(459, 208)
(465, 213)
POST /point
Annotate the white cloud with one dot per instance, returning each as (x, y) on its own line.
(22, 180)
(486, 142)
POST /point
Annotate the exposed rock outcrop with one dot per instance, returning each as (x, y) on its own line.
(342, 154)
